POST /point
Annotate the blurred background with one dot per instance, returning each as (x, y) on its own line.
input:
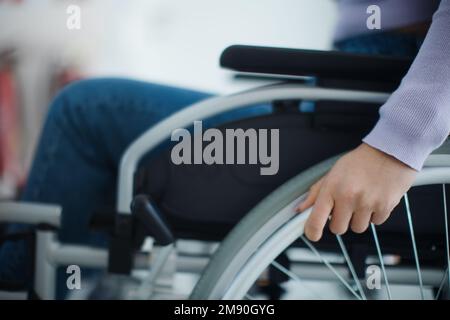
(164, 41)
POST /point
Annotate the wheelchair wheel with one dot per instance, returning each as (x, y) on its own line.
(273, 228)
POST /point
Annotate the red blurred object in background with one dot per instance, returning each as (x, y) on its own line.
(11, 174)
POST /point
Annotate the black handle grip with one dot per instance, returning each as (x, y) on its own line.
(147, 214)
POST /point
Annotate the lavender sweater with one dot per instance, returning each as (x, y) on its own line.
(416, 118)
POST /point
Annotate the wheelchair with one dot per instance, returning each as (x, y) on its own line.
(250, 237)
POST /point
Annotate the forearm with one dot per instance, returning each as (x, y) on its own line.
(416, 118)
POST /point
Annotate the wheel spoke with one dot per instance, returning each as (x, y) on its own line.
(413, 239)
(249, 297)
(325, 261)
(350, 266)
(447, 243)
(292, 276)
(442, 284)
(380, 257)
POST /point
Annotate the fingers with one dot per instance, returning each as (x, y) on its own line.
(360, 221)
(361, 187)
(341, 216)
(319, 216)
(311, 198)
(379, 217)
(349, 207)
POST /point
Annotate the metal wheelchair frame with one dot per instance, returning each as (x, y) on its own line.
(50, 253)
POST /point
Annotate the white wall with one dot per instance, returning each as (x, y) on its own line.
(170, 41)
(176, 42)
(179, 42)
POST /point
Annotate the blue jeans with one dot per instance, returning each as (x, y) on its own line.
(89, 125)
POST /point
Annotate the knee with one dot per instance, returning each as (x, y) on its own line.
(73, 98)
(69, 100)
(88, 111)
(85, 98)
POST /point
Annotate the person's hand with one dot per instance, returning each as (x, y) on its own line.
(364, 186)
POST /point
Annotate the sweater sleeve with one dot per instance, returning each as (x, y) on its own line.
(416, 118)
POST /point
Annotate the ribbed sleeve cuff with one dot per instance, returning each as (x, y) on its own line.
(389, 139)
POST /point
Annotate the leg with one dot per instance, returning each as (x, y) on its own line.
(89, 125)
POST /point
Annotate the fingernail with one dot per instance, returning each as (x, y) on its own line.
(314, 237)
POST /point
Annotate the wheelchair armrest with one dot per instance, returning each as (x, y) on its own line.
(30, 213)
(324, 65)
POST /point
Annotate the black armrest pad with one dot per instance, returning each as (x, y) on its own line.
(321, 64)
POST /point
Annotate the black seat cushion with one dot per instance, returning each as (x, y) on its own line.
(205, 201)
(209, 199)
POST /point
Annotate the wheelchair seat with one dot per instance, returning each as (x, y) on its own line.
(205, 202)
